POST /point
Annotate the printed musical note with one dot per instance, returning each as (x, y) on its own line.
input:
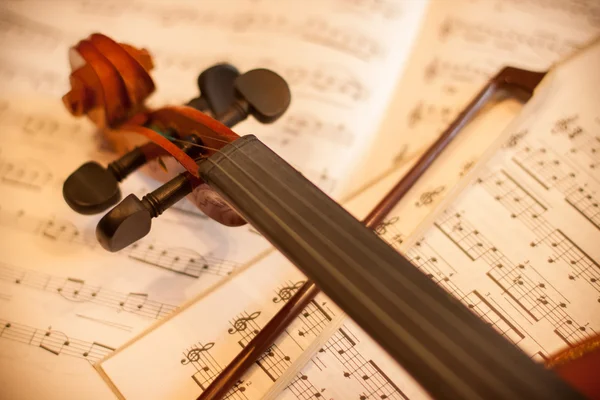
(311, 30)
(28, 174)
(180, 260)
(52, 229)
(207, 369)
(505, 39)
(466, 168)
(46, 130)
(463, 234)
(434, 266)
(303, 389)
(375, 383)
(134, 301)
(453, 70)
(53, 342)
(314, 319)
(273, 362)
(71, 289)
(305, 124)
(431, 113)
(521, 282)
(74, 289)
(515, 139)
(60, 231)
(523, 206)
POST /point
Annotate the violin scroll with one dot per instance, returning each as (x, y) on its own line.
(110, 82)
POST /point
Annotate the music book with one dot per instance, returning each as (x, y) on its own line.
(506, 220)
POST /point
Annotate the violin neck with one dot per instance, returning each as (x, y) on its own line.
(443, 345)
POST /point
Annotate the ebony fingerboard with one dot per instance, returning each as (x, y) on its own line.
(444, 346)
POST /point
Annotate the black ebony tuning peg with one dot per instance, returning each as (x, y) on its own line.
(261, 93)
(91, 188)
(131, 219)
(217, 93)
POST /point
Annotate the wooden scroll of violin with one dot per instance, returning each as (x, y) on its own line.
(448, 350)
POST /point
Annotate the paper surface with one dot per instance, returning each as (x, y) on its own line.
(61, 295)
(462, 44)
(342, 70)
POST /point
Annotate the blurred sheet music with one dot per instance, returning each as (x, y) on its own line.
(65, 303)
(341, 59)
(461, 45)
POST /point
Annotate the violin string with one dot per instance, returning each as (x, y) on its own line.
(340, 252)
(407, 308)
(434, 306)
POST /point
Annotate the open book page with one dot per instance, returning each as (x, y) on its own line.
(516, 247)
(64, 302)
(461, 45)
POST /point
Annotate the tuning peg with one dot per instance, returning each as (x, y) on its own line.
(92, 188)
(260, 92)
(131, 219)
(217, 93)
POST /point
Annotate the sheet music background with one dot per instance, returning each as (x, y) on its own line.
(62, 297)
(66, 302)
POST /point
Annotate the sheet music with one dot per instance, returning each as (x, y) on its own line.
(460, 46)
(65, 302)
(518, 243)
(540, 290)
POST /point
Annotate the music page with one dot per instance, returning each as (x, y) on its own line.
(461, 45)
(66, 303)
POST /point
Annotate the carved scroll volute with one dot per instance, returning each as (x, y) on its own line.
(109, 81)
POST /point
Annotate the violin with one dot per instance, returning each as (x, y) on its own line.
(237, 180)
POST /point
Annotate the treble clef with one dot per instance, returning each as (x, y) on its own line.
(194, 354)
(285, 293)
(240, 324)
(428, 197)
(381, 229)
